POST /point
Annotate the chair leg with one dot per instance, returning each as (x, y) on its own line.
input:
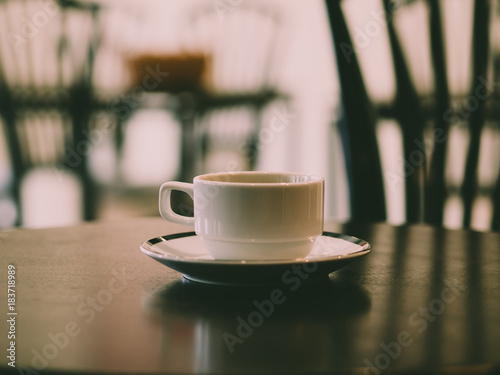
(495, 221)
(435, 194)
(409, 116)
(80, 110)
(480, 52)
(253, 142)
(18, 167)
(357, 127)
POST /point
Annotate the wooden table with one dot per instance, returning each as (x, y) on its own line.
(425, 300)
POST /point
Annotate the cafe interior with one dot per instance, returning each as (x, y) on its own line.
(392, 102)
(101, 102)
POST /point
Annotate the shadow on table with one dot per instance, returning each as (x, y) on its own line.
(229, 329)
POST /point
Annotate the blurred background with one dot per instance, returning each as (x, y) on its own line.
(102, 101)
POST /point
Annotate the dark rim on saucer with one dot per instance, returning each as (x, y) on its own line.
(364, 248)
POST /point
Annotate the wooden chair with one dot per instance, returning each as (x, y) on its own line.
(46, 92)
(426, 188)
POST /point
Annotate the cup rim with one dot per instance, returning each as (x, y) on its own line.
(311, 179)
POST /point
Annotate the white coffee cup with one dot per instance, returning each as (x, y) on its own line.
(252, 215)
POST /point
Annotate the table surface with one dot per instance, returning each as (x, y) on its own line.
(87, 301)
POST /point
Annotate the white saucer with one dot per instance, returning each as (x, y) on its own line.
(185, 252)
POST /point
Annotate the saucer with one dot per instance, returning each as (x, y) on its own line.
(185, 253)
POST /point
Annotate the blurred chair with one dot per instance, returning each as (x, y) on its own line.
(430, 106)
(242, 47)
(47, 53)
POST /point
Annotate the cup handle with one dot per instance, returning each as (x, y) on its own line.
(165, 207)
